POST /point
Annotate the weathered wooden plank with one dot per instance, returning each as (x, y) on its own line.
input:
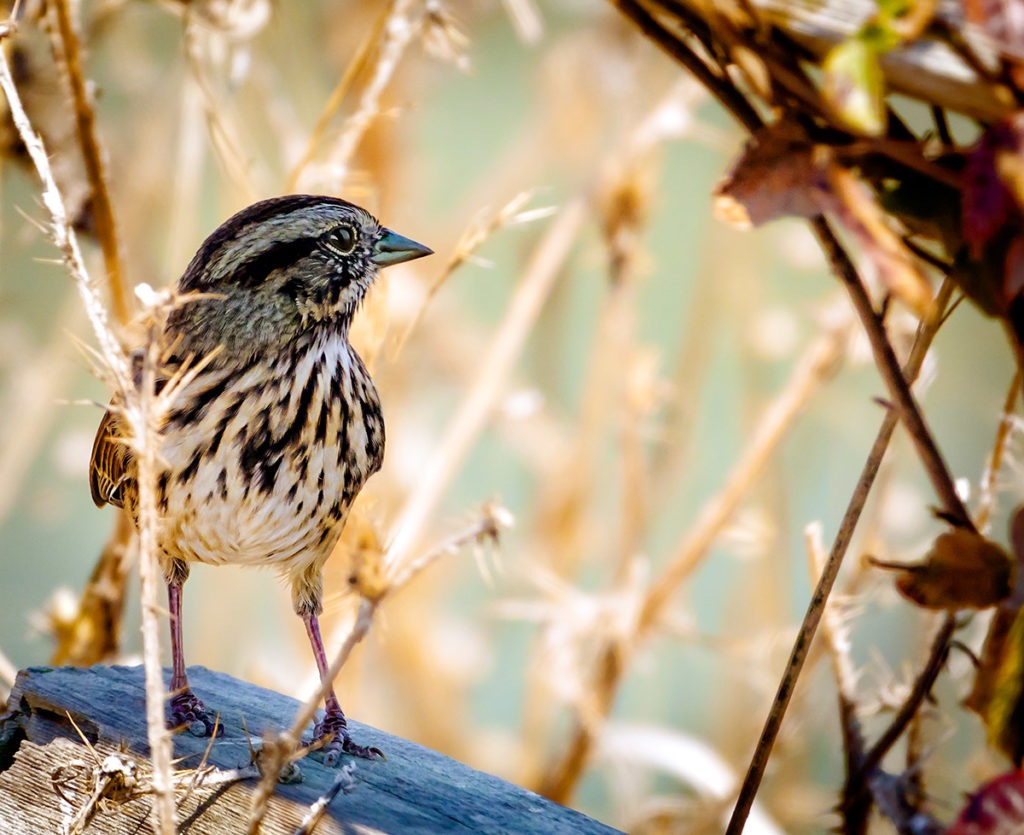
(415, 791)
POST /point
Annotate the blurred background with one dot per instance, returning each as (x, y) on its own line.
(589, 355)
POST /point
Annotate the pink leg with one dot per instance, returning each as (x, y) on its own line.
(185, 709)
(333, 727)
(179, 679)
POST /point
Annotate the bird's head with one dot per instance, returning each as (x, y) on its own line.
(280, 267)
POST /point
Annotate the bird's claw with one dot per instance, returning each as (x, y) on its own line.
(188, 712)
(332, 737)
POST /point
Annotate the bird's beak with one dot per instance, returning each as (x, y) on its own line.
(392, 248)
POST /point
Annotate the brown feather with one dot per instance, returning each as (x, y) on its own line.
(110, 463)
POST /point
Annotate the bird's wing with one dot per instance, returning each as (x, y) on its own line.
(110, 466)
(112, 471)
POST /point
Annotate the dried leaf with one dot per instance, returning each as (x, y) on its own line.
(998, 692)
(860, 213)
(779, 174)
(853, 85)
(963, 570)
(1004, 713)
(998, 807)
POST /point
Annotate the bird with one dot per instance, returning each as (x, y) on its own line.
(264, 449)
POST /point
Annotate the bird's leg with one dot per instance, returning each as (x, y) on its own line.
(333, 726)
(184, 708)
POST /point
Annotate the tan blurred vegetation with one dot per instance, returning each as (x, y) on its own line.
(609, 419)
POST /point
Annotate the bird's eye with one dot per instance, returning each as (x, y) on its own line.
(341, 240)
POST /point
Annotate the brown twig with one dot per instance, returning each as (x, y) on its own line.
(88, 142)
(907, 411)
(888, 366)
(920, 691)
(721, 88)
(354, 68)
(837, 641)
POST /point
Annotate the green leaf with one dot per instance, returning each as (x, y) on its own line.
(854, 87)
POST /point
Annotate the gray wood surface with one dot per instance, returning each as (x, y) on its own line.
(415, 791)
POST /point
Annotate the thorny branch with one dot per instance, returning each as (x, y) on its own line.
(142, 414)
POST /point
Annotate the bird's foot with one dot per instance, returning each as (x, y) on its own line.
(331, 738)
(187, 711)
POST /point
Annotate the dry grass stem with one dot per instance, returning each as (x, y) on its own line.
(526, 18)
(8, 672)
(482, 531)
(355, 67)
(402, 26)
(343, 782)
(144, 423)
(223, 134)
(495, 367)
(281, 750)
(92, 154)
(819, 363)
(989, 478)
(62, 234)
(145, 420)
(278, 752)
(479, 230)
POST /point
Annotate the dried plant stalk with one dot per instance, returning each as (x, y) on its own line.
(495, 367)
(402, 25)
(354, 68)
(844, 536)
(837, 641)
(116, 362)
(818, 364)
(88, 141)
(148, 418)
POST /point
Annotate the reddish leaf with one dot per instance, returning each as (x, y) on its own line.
(992, 182)
(998, 807)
